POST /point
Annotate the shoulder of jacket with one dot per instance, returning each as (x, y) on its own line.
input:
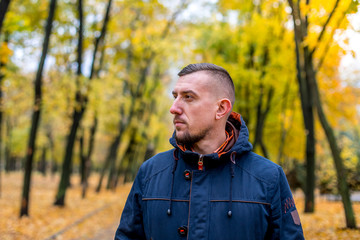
(259, 167)
(156, 164)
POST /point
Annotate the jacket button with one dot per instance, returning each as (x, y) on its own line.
(187, 174)
(182, 230)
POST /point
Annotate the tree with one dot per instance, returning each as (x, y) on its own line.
(3, 10)
(24, 210)
(4, 5)
(308, 79)
(135, 90)
(87, 159)
(79, 109)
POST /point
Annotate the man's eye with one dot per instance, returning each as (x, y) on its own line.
(187, 96)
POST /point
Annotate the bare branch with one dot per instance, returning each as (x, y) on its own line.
(326, 50)
(325, 26)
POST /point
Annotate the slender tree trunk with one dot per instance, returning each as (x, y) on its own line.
(82, 155)
(36, 114)
(284, 131)
(81, 101)
(338, 161)
(135, 95)
(306, 67)
(112, 178)
(4, 5)
(261, 117)
(42, 163)
(99, 40)
(1, 132)
(308, 116)
(2, 76)
(113, 150)
(8, 166)
(66, 168)
(247, 94)
(306, 104)
(89, 154)
(80, 38)
(52, 165)
(110, 157)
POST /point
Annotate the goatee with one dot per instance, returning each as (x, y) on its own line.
(190, 140)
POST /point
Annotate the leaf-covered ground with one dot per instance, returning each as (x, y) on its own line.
(97, 215)
(328, 221)
(79, 219)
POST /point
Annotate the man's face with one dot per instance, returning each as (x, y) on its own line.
(194, 108)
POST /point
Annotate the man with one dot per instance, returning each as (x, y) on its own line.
(211, 185)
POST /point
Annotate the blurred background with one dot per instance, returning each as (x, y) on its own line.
(85, 92)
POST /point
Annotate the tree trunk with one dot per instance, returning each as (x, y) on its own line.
(8, 161)
(307, 106)
(90, 151)
(81, 102)
(261, 117)
(80, 38)
(82, 155)
(135, 94)
(283, 131)
(338, 162)
(2, 76)
(99, 40)
(4, 5)
(305, 66)
(113, 150)
(66, 168)
(50, 138)
(110, 157)
(112, 178)
(308, 116)
(42, 163)
(36, 114)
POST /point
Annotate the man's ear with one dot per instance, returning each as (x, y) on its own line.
(224, 107)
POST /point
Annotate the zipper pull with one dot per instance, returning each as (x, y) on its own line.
(201, 163)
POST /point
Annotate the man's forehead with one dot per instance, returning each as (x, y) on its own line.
(194, 81)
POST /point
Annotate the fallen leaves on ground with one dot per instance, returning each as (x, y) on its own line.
(45, 219)
(327, 223)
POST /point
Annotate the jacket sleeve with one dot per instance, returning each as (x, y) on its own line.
(131, 223)
(284, 220)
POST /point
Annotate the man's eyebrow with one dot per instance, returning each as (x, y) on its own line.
(184, 92)
(188, 91)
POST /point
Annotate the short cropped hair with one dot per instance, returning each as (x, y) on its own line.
(217, 72)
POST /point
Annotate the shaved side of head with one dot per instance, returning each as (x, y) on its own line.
(222, 84)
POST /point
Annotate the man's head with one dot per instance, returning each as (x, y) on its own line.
(203, 99)
(221, 78)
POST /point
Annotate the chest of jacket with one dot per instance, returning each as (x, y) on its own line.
(200, 202)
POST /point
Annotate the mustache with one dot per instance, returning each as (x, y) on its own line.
(177, 119)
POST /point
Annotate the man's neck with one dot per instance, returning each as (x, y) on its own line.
(210, 143)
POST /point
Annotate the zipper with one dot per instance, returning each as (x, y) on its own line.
(201, 162)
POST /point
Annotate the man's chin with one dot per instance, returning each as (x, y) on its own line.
(179, 137)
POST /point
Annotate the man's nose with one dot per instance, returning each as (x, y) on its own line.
(175, 108)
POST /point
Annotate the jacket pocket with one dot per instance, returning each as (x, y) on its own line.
(248, 220)
(158, 224)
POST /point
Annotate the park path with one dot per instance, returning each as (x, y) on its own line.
(106, 234)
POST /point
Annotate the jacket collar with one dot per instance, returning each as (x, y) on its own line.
(237, 141)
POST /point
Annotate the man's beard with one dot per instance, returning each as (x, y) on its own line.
(190, 140)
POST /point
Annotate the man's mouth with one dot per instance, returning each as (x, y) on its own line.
(178, 123)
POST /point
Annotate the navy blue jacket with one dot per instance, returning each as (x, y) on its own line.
(239, 195)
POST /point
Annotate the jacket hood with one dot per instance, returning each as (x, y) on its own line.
(239, 142)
